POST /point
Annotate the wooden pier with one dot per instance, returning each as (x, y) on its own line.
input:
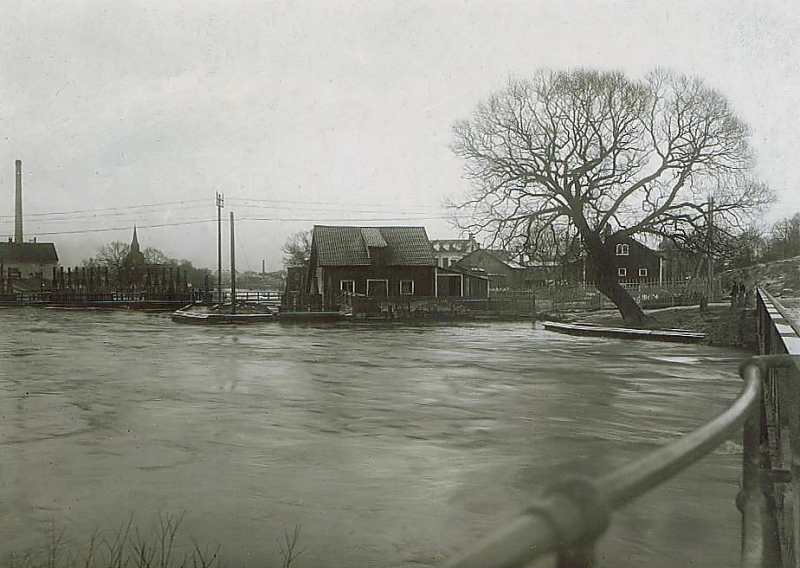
(586, 330)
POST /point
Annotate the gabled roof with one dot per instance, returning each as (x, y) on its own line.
(615, 240)
(505, 258)
(28, 252)
(471, 272)
(350, 246)
(373, 238)
(339, 246)
(408, 246)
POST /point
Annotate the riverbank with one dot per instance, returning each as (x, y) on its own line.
(721, 324)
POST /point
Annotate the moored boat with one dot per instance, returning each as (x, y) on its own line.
(244, 314)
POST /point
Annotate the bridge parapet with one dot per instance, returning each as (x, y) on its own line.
(780, 425)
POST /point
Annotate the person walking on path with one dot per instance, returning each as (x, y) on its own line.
(745, 295)
(734, 294)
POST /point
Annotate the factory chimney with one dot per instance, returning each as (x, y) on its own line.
(18, 209)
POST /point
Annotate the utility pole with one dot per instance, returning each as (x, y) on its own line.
(709, 291)
(233, 268)
(220, 205)
(710, 247)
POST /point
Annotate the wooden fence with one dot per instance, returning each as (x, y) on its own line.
(578, 297)
(586, 296)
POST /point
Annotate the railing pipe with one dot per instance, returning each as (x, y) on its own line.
(751, 500)
(568, 515)
(572, 514)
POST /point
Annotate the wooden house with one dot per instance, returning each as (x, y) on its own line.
(635, 262)
(396, 262)
(371, 261)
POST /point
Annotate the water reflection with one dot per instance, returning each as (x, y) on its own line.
(390, 445)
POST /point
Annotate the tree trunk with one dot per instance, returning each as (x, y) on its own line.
(607, 282)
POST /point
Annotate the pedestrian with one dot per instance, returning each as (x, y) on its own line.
(734, 294)
(743, 295)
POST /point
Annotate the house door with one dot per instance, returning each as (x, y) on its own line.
(449, 285)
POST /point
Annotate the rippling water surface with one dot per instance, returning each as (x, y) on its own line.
(389, 445)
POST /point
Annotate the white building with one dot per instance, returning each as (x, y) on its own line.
(448, 251)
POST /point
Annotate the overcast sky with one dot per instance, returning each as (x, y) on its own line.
(334, 112)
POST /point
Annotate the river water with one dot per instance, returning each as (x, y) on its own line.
(389, 445)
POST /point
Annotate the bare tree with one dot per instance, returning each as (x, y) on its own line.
(784, 238)
(112, 255)
(297, 249)
(609, 156)
(155, 257)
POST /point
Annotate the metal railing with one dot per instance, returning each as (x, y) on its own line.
(571, 515)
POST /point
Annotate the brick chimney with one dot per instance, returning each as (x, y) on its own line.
(18, 208)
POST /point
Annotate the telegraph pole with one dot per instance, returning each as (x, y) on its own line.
(710, 247)
(710, 240)
(220, 205)
(233, 268)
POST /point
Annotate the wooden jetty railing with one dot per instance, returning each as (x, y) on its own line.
(570, 515)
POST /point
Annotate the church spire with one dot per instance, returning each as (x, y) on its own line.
(135, 257)
(134, 242)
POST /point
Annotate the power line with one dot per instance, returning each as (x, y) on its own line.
(114, 208)
(126, 228)
(337, 203)
(110, 212)
(202, 221)
(347, 220)
(341, 209)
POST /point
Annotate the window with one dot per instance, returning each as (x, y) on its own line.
(643, 272)
(377, 288)
(623, 249)
(406, 287)
(348, 286)
(622, 271)
(445, 262)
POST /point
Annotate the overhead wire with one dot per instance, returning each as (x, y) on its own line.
(335, 203)
(144, 215)
(126, 228)
(114, 208)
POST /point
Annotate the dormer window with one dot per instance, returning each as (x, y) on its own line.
(623, 249)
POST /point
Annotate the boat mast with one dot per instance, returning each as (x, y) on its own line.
(233, 269)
